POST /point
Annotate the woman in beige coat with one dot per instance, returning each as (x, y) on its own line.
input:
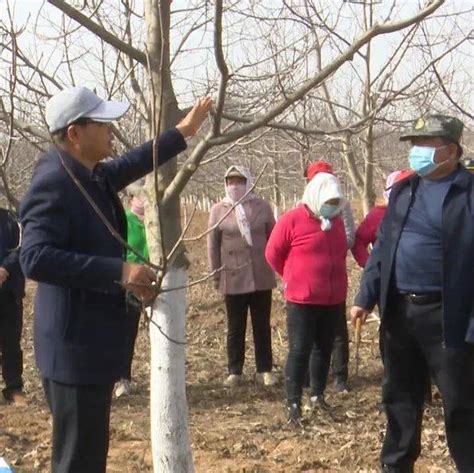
(237, 244)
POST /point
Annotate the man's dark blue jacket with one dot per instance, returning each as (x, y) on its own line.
(458, 256)
(9, 254)
(80, 323)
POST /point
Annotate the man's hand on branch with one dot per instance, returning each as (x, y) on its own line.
(3, 275)
(139, 279)
(191, 123)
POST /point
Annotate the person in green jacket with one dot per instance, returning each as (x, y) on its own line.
(136, 238)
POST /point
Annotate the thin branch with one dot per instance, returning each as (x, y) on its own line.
(100, 32)
(194, 283)
(222, 66)
(233, 145)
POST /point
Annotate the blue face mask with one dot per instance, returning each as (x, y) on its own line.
(328, 210)
(422, 159)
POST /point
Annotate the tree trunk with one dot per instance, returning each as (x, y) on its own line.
(368, 196)
(170, 440)
(168, 405)
(350, 160)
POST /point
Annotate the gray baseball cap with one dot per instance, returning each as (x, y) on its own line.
(71, 104)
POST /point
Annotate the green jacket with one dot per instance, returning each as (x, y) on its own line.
(136, 237)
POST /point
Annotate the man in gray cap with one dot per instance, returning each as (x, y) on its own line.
(421, 273)
(80, 313)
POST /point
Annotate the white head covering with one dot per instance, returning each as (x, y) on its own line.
(319, 190)
(242, 171)
(241, 217)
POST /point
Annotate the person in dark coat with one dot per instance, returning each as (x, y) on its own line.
(421, 273)
(80, 310)
(12, 290)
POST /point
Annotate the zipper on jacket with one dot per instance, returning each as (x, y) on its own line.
(443, 341)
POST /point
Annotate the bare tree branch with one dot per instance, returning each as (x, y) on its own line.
(99, 31)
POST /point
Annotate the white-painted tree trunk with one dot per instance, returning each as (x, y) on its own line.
(169, 410)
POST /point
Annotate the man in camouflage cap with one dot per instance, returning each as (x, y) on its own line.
(443, 127)
(421, 273)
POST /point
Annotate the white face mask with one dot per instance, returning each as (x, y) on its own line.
(236, 191)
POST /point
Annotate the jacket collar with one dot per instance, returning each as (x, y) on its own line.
(78, 169)
(462, 179)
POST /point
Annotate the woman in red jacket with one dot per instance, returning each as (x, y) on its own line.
(308, 249)
(366, 233)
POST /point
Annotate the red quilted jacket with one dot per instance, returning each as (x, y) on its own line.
(311, 262)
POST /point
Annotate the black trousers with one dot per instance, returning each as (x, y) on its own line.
(81, 416)
(260, 305)
(307, 325)
(340, 356)
(413, 347)
(11, 324)
(134, 310)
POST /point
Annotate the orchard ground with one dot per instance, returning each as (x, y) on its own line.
(232, 430)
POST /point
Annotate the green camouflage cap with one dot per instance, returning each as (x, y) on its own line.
(443, 126)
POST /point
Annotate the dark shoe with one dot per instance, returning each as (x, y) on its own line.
(341, 386)
(16, 396)
(294, 413)
(318, 402)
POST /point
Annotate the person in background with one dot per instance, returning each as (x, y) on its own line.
(236, 244)
(421, 275)
(340, 353)
(308, 248)
(366, 232)
(12, 291)
(136, 238)
(346, 212)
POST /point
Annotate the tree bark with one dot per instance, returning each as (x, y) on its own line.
(168, 405)
(169, 413)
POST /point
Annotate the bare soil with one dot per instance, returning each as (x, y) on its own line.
(233, 430)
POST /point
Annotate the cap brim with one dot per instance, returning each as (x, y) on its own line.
(235, 174)
(410, 136)
(428, 134)
(108, 111)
